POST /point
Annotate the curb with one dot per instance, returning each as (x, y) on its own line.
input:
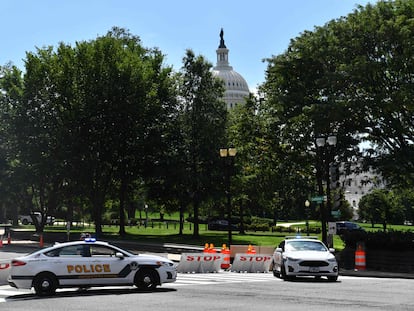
(376, 274)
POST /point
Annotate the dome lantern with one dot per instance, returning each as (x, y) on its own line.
(236, 86)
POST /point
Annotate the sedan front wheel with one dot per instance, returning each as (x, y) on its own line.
(146, 279)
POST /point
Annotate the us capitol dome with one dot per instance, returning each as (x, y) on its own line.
(236, 87)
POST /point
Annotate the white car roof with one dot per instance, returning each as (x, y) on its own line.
(87, 241)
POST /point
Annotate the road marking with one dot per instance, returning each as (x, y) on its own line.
(183, 279)
(8, 291)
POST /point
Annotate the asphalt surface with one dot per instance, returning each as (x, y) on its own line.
(173, 251)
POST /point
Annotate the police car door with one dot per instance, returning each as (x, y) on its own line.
(71, 264)
(108, 268)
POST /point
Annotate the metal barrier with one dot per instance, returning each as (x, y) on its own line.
(251, 263)
(200, 262)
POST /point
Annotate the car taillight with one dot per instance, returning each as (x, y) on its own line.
(17, 263)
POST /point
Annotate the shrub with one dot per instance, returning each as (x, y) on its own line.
(258, 227)
(391, 240)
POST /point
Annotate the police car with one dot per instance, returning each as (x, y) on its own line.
(297, 256)
(88, 263)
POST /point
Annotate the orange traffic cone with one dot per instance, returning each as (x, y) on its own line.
(8, 238)
(1, 241)
(211, 248)
(360, 263)
(226, 259)
(205, 248)
(251, 249)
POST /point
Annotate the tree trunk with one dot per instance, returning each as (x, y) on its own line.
(97, 204)
(181, 219)
(196, 232)
(122, 196)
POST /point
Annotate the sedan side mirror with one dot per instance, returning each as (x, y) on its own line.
(279, 250)
(119, 255)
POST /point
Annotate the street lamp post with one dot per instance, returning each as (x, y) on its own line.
(228, 154)
(307, 204)
(324, 147)
(146, 215)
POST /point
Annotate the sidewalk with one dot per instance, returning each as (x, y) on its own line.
(376, 274)
(173, 252)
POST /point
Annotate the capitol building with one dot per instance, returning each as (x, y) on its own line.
(236, 88)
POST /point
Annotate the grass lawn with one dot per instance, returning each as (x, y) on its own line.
(162, 233)
(167, 232)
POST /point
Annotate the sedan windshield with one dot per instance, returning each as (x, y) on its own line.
(305, 246)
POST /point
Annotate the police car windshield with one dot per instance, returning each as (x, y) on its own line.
(305, 246)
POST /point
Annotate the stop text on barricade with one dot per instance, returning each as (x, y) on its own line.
(200, 263)
(251, 263)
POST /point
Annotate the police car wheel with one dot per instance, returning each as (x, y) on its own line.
(146, 279)
(284, 276)
(283, 271)
(275, 272)
(45, 284)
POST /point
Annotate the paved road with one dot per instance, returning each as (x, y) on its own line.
(9, 294)
(228, 291)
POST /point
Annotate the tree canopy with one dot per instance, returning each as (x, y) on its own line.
(351, 77)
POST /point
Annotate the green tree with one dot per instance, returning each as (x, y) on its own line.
(124, 100)
(11, 90)
(351, 77)
(203, 129)
(35, 126)
(382, 65)
(245, 131)
(402, 205)
(141, 98)
(376, 207)
(273, 176)
(91, 120)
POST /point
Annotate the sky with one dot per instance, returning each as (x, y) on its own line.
(253, 30)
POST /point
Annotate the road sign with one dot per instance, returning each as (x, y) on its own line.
(331, 227)
(318, 199)
(336, 214)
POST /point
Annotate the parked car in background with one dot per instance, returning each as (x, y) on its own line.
(347, 226)
(221, 224)
(28, 220)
